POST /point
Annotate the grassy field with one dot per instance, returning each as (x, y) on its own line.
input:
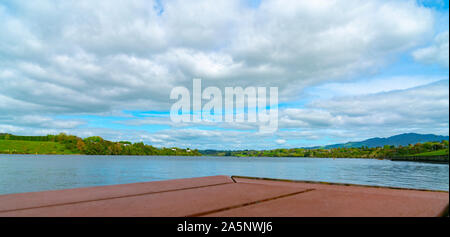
(32, 147)
(433, 153)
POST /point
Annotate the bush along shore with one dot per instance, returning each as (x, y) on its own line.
(69, 144)
(427, 149)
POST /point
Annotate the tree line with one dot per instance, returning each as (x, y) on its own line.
(96, 145)
(345, 152)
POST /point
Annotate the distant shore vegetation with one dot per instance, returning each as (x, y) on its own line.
(69, 144)
(418, 149)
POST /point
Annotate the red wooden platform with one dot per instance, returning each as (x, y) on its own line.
(227, 196)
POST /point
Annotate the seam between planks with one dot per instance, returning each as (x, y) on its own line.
(248, 203)
(109, 198)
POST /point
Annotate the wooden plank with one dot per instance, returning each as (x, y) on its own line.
(329, 200)
(188, 202)
(347, 187)
(333, 203)
(38, 199)
(225, 196)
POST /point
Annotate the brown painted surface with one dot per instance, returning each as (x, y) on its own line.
(45, 198)
(224, 196)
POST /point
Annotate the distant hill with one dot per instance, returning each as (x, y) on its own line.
(397, 140)
(402, 139)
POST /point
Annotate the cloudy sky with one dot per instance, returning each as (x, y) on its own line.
(346, 70)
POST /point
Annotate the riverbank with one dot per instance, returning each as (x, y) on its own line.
(68, 144)
(64, 144)
(33, 147)
(442, 159)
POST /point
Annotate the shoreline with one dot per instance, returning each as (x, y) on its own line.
(422, 159)
(426, 159)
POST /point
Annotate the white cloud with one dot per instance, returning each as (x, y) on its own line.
(36, 121)
(371, 85)
(437, 53)
(103, 57)
(423, 108)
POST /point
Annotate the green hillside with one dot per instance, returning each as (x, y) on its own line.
(433, 153)
(387, 151)
(32, 147)
(68, 144)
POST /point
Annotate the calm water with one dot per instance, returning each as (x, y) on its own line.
(27, 173)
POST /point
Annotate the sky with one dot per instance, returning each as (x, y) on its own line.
(345, 70)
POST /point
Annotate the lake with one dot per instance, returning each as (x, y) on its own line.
(29, 173)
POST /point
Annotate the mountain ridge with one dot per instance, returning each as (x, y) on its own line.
(403, 139)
